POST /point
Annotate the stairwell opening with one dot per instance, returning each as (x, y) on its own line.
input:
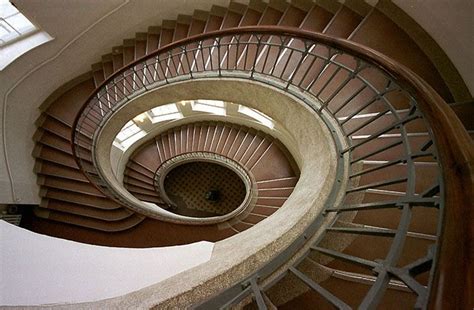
(204, 189)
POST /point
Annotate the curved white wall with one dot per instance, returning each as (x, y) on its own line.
(37, 269)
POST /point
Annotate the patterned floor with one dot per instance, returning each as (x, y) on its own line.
(190, 186)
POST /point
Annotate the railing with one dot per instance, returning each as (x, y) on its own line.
(393, 122)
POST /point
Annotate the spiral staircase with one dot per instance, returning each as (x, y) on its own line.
(380, 243)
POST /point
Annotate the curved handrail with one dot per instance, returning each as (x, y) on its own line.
(454, 146)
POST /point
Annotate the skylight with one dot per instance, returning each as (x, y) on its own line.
(258, 116)
(209, 106)
(129, 134)
(13, 24)
(165, 112)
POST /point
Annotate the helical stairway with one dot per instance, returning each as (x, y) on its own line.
(402, 161)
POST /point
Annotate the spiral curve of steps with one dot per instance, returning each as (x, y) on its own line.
(247, 147)
(68, 198)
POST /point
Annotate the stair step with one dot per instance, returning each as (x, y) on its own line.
(273, 164)
(232, 132)
(66, 107)
(374, 33)
(390, 154)
(237, 142)
(153, 39)
(98, 73)
(136, 182)
(95, 213)
(271, 201)
(181, 31)
(70, 185)
(137, 175)
(426, 175)
(196, 27)
(257, 154)
(255, 141)
(343, 23)
(275, 192)
(148, 198)
(55, 141)
(141, 190)
(117, 58)
(107, 65)
(128, 51)
(52, 169)
(167, 32)
(293, 17)
(253, 219)
(147, 156)
(140, 169)
(231, 19)
(241, 226)
(56, 127)
(80, 199)
(52, 155)
(213, 23)
(277, 183)
(316, 19)
(95, 224)
(270, 16)
(140, 44)
(250, 17)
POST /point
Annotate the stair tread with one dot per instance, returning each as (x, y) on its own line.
(343, 23)
(95, 213)
(80, 199)
(95, 223)
(316, 19)
(374, 33)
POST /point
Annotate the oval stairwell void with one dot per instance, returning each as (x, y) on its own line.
(374, 146)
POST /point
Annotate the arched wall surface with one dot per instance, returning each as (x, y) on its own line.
(77, 272)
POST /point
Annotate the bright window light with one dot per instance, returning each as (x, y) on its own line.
(140, 118)
(209, 106)
(165, 112)
(127, 131)
(259, 116)
(126, 143)
(129, 134)
(13, 24)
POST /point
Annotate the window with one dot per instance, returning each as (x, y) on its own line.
(209, 106)
(258, 116)
(17, 34)
(165, 112)
(13, 24)
(129, 134)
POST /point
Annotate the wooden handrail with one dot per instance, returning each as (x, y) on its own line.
(454, 272)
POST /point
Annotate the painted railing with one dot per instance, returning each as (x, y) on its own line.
(389, 125)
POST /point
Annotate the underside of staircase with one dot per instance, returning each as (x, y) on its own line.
(73, 208)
